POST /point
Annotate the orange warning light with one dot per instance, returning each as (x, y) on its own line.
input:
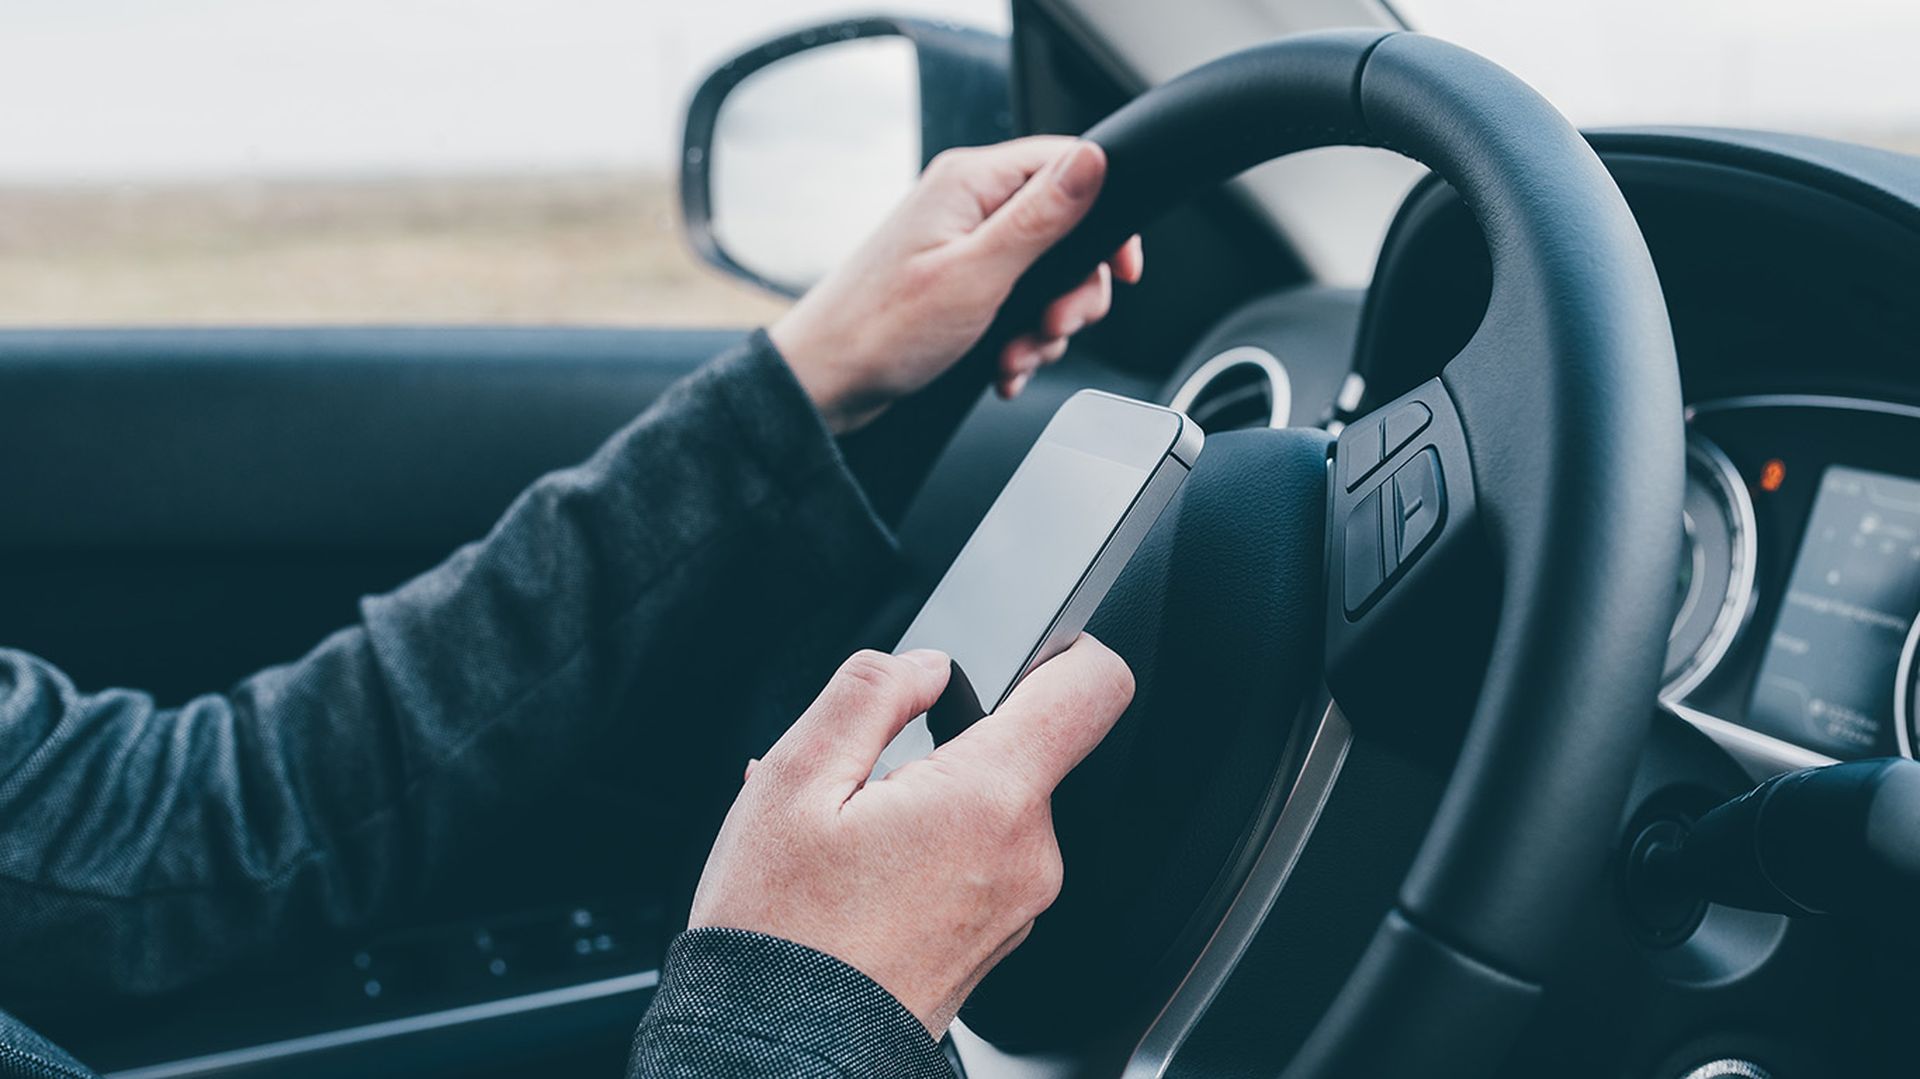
(1772, 475)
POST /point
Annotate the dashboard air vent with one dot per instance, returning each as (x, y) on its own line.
(1240, 388)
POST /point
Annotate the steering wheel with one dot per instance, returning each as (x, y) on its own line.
(1479, 575)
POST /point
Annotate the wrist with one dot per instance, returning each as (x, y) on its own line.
(821, 377)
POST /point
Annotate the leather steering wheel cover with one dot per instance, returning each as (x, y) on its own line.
(1579, 470)
(1577, 460)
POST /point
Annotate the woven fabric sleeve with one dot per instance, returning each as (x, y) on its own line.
(24, 1054)
(143, 847)
(736, 1003)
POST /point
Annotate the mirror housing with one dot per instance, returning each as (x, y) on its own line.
(962, 75)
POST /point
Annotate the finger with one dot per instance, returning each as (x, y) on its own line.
(1130, 262)
(1088, 303)
(1018, 360)
(1028, 352)
(1045, 208)
(748, 773)
(869, 699)
(991, 174)
(1021, 358)
(1053, 719)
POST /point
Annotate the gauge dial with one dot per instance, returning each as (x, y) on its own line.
(1714, 594)
(1906, 695)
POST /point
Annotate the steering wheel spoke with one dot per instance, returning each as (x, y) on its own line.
(1409, 579)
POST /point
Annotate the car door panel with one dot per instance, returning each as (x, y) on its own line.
(185, 506)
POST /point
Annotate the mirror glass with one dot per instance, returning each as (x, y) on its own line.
(810, 152)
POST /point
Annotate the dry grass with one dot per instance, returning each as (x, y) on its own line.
(600, 249)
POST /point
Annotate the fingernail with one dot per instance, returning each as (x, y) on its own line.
(1080, 171)
(1020, 383)
(926, 657)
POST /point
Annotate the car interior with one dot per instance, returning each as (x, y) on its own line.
(1383, 803)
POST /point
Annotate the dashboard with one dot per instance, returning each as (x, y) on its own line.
(1792, 273)
(1791, 269)
(1801, 584)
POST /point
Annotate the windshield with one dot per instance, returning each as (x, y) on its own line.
(1841, 68)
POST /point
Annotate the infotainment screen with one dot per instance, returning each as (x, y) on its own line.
(1826, 681)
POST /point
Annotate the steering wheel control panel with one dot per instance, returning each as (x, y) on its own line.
(1400, 499)
(1796, 608)
(1392, 526)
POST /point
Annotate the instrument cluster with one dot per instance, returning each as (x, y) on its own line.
(1795, 630)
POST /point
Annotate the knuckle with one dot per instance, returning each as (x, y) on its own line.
(1043, 875)
(871, 672)
(1033, 217)
(946, 164)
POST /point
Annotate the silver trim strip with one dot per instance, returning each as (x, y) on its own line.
(1353, 390)
(1762, 755)
(213, 1063)
(1804, 400)
(1734, 610)
(1280, 385)
(1903, 730)
(1325, 756)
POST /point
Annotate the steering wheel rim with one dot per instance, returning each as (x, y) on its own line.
(1556, 435)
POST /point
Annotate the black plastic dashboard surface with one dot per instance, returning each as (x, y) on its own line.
(1791, 268)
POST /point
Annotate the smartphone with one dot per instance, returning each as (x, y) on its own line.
(1045, 554)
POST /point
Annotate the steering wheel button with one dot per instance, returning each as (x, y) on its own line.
(1360, 452)
(1403, 424)
(1366, 555)
(1419, 505)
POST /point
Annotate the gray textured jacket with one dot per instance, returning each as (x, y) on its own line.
(145, 847)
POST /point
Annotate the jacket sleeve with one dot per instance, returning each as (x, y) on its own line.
(731, 1002)
(145, 847)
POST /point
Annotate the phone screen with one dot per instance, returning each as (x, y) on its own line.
(1025, 559)
(1023, 562)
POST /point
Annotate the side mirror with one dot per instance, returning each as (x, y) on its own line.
(797, 148)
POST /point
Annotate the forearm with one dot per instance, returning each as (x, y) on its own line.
(743, 1004)
(147, 846)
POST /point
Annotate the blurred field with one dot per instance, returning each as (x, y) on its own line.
(596, 248)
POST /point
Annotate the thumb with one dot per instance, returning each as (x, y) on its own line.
(869, 700)
(1045, 208)
(1052, 719)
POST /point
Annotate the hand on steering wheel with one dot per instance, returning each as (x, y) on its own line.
(924, 287)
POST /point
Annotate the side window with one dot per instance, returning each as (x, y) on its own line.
(211, 162)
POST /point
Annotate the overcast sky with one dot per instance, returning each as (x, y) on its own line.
(109, 89)
(1845, 67)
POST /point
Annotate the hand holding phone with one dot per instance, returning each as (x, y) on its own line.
(1045, 554)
